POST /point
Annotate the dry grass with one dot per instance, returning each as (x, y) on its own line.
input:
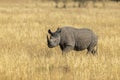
(24, 54)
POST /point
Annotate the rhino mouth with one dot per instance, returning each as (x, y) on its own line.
(48, 43)
(50, 46)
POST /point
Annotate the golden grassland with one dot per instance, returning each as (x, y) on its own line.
(24, 54)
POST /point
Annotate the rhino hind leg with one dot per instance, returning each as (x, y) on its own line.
(92, 49)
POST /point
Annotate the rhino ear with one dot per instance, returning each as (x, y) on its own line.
(49, 31)
(58, 30)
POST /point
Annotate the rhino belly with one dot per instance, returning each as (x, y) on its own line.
(81, 46)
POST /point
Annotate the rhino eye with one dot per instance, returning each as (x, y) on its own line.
(55, 40)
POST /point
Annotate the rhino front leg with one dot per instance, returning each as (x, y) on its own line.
(67, 49)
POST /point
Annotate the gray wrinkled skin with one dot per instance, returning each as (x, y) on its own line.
(69, 38)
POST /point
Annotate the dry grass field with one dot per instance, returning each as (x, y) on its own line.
(24, 54)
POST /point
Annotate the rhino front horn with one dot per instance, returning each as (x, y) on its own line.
(47, 39)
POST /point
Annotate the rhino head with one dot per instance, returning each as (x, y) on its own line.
(54, 39)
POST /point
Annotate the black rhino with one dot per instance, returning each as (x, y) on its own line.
(69, 38)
